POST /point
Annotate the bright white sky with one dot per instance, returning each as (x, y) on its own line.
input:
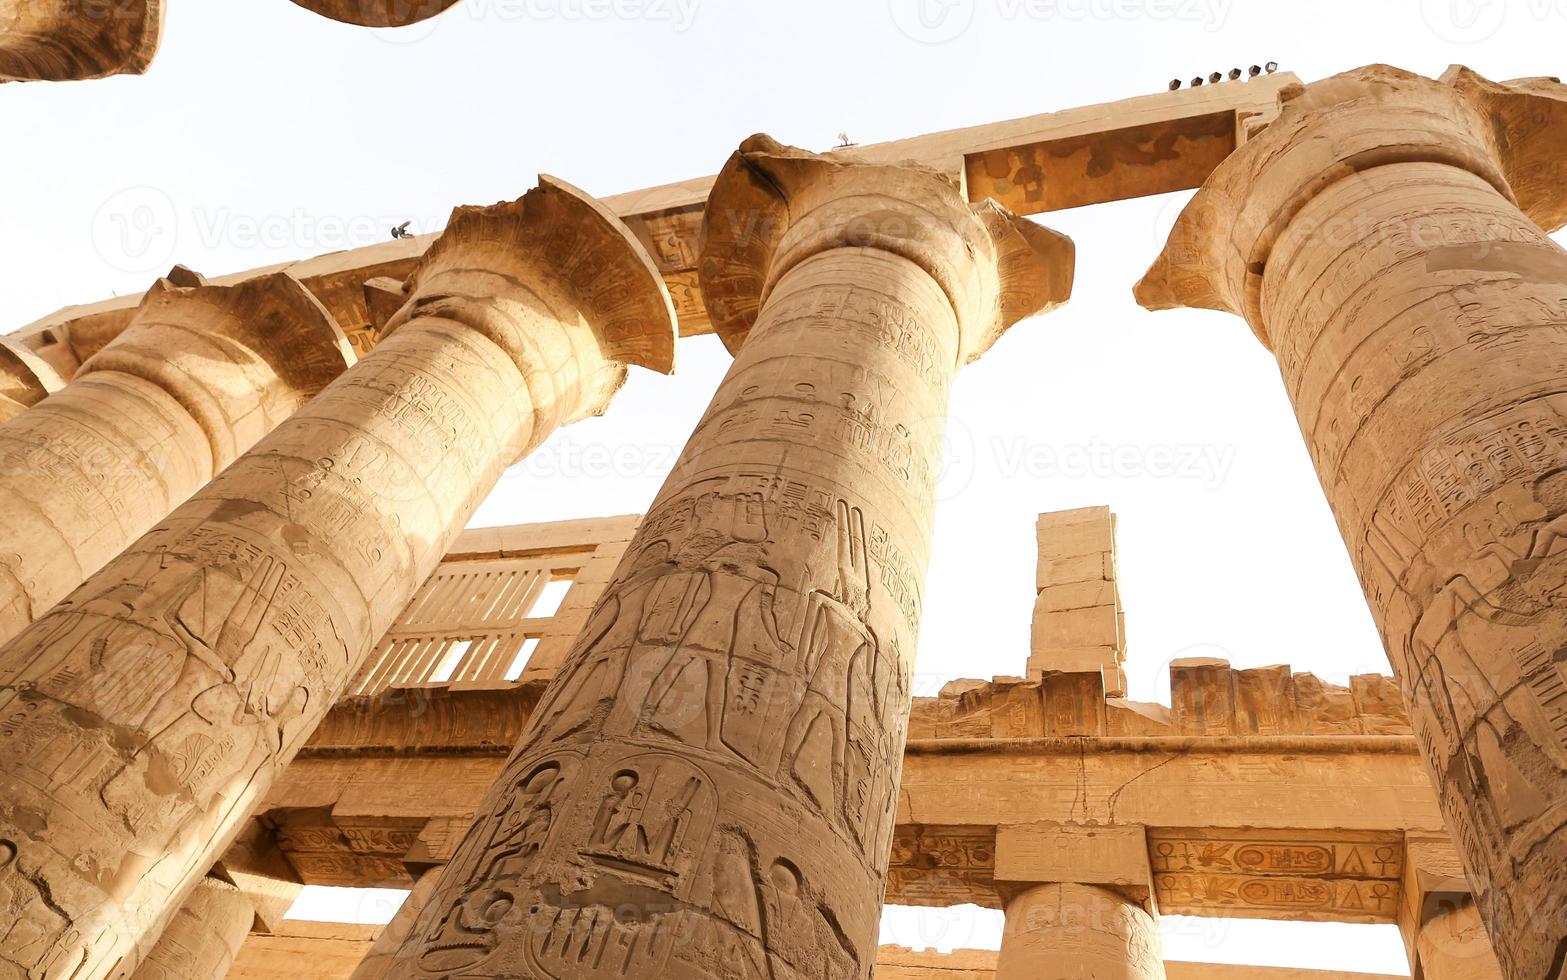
(264, 133)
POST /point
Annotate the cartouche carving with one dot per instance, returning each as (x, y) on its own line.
(143, 718)
(1384, 238)
(707, 787)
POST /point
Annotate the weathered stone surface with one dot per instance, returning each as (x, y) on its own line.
(384, 953)
(304, 951)
(720, 751)
(1069, 931)
(203, 937)
(1385, 237)
(377, 13)
(62, 40)
(897, 963)
(25, 380)
(1453, 945)
(150, 712)
(199, 375)
(1111, 857)
(1079, 626)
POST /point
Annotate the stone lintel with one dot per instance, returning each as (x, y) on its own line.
(1017, 162)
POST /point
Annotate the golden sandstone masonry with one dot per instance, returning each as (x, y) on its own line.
(707, 788)
(148, 713)
(1385, 238)
(61, 40)
(200, 374)
(295, 677)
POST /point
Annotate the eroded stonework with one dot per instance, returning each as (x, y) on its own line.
(146, 715)
(377, 13)
(707, 788)
(62, 40)
(201, 373)
(1386, 238)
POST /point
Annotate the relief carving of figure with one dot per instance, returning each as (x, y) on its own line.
(839, 649)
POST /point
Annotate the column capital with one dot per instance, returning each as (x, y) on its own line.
(377, 13)
(25, 379)
(774, 206)
(495, 267)
(271, 330)
(1347, 125)
(67, 40)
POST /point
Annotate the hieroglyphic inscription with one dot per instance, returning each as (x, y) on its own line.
(735, 707)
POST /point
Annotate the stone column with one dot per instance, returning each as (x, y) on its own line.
(203, 937)
(62, 40)
(1453, 945)
(1383, 237)
(1077, 900)
(377, 13)
(142, 719)
(25, 380)
(382, 955)
(1076, 932)
(197, 377)
(707, 787)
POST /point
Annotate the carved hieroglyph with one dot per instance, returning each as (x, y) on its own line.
(707, 788)
(143, 717)
(1069, 931)
(1383, 238)
(25, 380)
(203, 937)
(377, 13)
(195, 380)
(61, 40)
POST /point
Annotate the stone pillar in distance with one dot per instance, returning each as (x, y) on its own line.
(203, 937)
(146, 715)
(1383, 237)
(198, 375)
(707, 788)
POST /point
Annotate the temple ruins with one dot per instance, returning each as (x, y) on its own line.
(248, 642)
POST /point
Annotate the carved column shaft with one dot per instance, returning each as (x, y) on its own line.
(198, 376)
(707, 788)
(203, 937)
(146, 715)
(1074, 932)
(1373, 237)
(384, 951)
